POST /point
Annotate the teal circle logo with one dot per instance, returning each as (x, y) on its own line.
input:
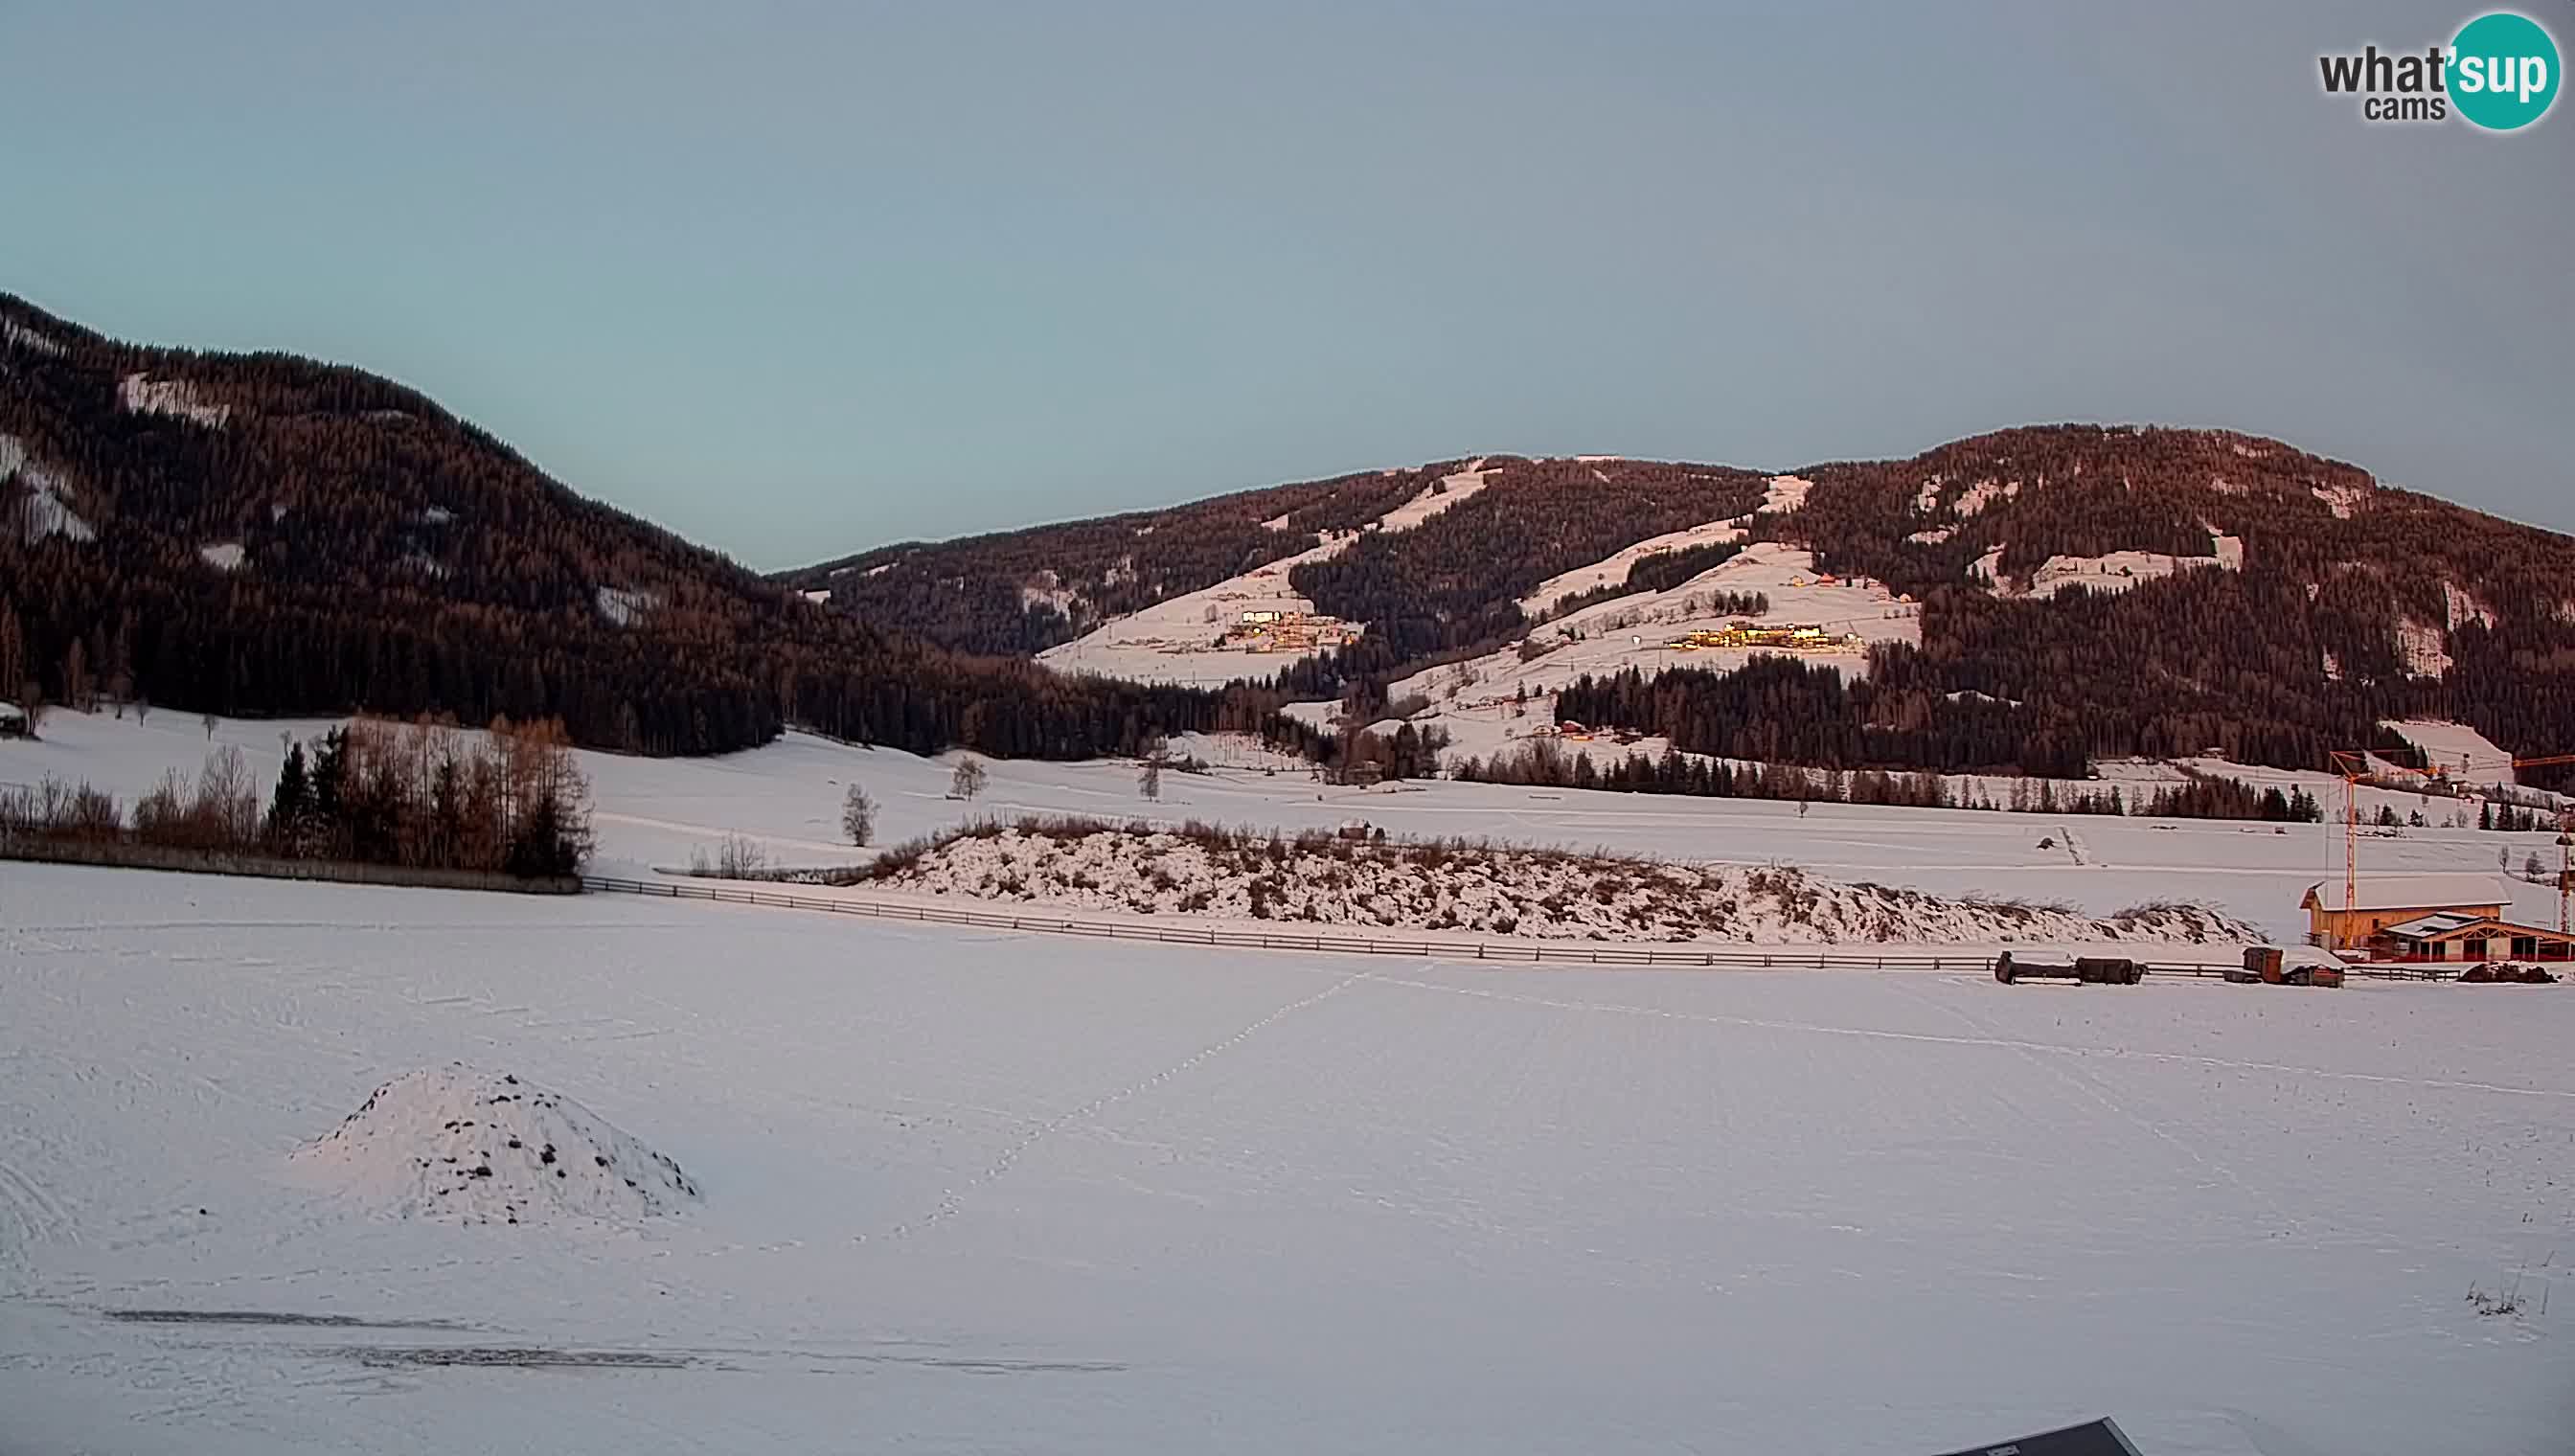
(2503, 71)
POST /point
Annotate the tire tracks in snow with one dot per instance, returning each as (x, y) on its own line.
(953, 1202)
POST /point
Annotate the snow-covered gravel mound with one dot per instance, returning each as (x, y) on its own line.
(482, 1147)
(1489, 890)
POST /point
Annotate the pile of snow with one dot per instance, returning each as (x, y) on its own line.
(474, 1147)
(1331, 880)
(223, 556)
(176, 398)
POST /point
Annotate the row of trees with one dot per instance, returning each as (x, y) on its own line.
(426, 794)
(1545, 763)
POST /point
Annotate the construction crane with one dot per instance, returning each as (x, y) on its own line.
(2353, 765)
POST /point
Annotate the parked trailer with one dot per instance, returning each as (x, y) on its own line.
(2108, 971)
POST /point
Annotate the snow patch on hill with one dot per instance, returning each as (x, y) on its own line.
(2464, 607)
(1784, 494)
(223, 556)
(1318, 879)
(2119, 571)
(1985, 493)
(2452, 744)
(1489, 701)
(1050, 593)
(1177, 639)
(2343, 501)
(20, 335)
(176, 398)
(624, 607)
(1451, 489)
(466, 1147)
(1932, 537)
(2424, 649)
(46, 509)
(1174, 639)
(1614, 569)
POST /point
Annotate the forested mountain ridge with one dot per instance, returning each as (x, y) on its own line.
(2084, 591)
(264, 534)
(2305, 603)
(1025, 590)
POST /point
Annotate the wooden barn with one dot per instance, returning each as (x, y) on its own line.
(2383, 900)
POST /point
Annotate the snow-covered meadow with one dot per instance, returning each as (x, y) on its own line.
(786, 798)
(974, 1192)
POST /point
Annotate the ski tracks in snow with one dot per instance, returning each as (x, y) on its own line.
(28, 1216)
(953, 1201)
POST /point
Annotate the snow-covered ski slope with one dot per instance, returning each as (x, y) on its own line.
(786, 796)
(978, 1194)
(1175, 641)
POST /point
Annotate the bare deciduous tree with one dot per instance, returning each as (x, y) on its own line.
(969, 779)
(734, 857)
(858, 816)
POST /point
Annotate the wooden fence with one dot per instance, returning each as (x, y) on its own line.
(127, 854)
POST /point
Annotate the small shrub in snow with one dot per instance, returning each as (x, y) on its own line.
(734, 858)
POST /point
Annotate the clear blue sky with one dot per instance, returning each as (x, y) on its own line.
(796, 280)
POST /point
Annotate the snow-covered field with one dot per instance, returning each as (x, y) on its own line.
(787, 798)
(1178, 640)
(978, 1192)
(1479, 700)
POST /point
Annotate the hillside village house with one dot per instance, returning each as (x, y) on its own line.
(2425, 917)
